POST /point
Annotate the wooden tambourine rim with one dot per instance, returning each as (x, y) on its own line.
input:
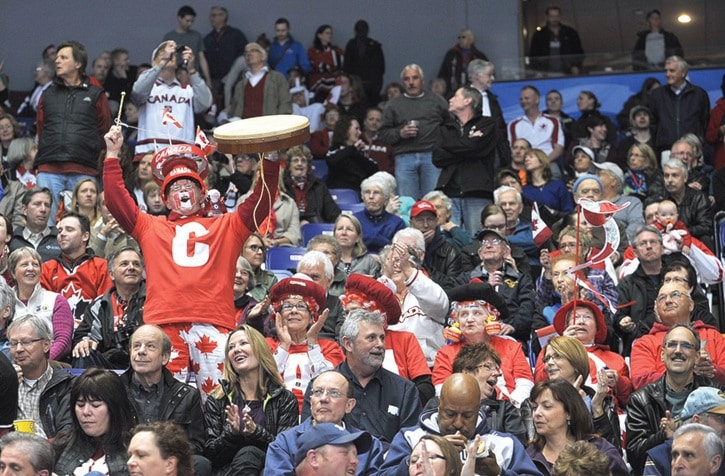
(262, 141)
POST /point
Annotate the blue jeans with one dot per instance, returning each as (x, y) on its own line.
(467, 213)
(57, 183)
(415, 173)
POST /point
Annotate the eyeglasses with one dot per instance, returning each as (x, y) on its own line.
(6, 127)
(300, 306)
(716, 416)
(493, 242)
(330, 392)
(256, 248)
(181, 187)
(14, 344)
(431, 457)
(673, 344)
(555, 357)
(489, 367)
(674, 295)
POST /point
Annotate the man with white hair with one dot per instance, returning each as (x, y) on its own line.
(318, 267)
(481, 74)
(160, 90)
(696, 449)
(612, 179)
(679, 106)
(410, 125)
(262, 91)
(693, 205)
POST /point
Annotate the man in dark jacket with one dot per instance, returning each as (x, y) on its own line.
(653, 411)
(556, 47)
(467, 157)
(441, 260)
(102, 338)
(37, 234)
(73, 116)
(156, 395)
(655, 44)
(454, 67)
(44, 391)
(679, 106)
(693, 206)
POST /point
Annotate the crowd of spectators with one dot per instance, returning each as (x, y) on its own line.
(441, 328)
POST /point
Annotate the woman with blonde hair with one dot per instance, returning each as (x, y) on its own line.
(355, 258)
(434, 455)
(542, 188)
(244, 414)
(84, 200)
(643, 177)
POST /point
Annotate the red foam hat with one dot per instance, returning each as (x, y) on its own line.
(309, 291)
(560, 318)
(179, 161)
(375, 295)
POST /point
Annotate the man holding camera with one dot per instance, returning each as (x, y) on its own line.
(166, 103)
(102, 338)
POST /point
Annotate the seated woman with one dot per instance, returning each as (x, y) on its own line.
(476, 308)
(84, 200)
(378, 224)
(141, 176)
(243, 283)
(255, 251)
(643, 177)
(313, 199)
(25, 265)
(157, 445)
(347, 159)
(97, 439)
(299, 353)
(326, 61)
(550, 194)
(434, 455)
(249, 408)
(584, 321)
(483, 362)
(565, 358)
(354, 255)
(578, 163)
(560, 418)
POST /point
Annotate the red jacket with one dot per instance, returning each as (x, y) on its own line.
(647, 366)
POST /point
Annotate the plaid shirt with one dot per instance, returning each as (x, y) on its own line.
(29, 395)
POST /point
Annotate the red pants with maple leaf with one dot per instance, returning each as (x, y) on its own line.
(197, 348)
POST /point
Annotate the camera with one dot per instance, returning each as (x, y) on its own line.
(179, 50)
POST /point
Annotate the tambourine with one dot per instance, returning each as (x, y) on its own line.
(262, 134)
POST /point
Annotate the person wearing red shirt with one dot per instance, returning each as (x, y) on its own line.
(190, 258)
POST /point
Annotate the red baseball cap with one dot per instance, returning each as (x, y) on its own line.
(422, 206)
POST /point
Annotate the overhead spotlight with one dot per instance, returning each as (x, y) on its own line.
(684, 18)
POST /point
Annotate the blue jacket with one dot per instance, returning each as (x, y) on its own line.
(283, 57)
(281, 453)
(378, 230)
(510, 453)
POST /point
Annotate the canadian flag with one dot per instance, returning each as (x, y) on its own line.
(540, 230)
(203, 143)
(168, 117)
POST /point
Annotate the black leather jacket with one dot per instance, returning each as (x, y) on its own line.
(281, 412)
(645, 409)
(54, 403)
(180, 403)
(442, 261)
(81, 451)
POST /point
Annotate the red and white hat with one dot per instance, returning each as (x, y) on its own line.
(302, 288)
(560, 318)
(372, 295)
(179, 161)
(422, 206)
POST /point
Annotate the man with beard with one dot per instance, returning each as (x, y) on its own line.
(385, 402)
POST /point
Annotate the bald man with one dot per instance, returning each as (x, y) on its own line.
(458, 419)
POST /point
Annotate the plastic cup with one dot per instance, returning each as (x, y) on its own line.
(24, 426)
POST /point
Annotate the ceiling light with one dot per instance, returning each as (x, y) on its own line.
(684, 18)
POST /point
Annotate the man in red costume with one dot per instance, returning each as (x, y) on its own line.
(190, 258)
